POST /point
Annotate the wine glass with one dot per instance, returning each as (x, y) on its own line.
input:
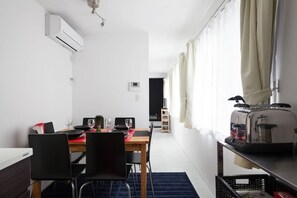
(128, 123)
(108, 124)
(91, 124)
(68, 122)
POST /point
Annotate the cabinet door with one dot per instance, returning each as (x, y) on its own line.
(15, 179)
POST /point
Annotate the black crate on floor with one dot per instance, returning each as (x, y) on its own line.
(226, 186)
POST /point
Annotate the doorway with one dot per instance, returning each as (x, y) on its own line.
(155, 98)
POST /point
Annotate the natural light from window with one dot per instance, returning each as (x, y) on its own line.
(216, 74)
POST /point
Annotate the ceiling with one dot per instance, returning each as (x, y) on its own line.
(169, 23)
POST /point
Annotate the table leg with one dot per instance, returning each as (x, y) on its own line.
(36, 191)
(143, 171)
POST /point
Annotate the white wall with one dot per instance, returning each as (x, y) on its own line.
(157, 75)
(202, 148)
(101, 75)
(286, 55)
(34, 73)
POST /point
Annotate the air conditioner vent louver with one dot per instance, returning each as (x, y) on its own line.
(58, 30)
(66, 44)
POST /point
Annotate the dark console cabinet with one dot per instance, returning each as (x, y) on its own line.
(15, 180)
(281, 168)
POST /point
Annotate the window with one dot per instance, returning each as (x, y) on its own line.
(217, 73)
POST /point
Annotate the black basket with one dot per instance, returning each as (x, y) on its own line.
(226, 186)
(281, 187)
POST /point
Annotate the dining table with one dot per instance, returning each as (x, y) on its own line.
(133, 142)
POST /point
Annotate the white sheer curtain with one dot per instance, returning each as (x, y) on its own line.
(212, 68)
(182, 86)
(175, 106)
(167, 87)
(172, 91)
(217, 72)
(190, 76)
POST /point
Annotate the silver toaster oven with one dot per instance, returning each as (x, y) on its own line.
(269, 128)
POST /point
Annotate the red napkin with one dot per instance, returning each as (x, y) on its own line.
(131, 133)
(81, 138)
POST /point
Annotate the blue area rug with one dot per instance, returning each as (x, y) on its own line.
(166, 185)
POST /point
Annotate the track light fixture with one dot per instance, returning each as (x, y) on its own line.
(95, 4)
(102, 19)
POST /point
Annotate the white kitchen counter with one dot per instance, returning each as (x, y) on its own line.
(10, 156)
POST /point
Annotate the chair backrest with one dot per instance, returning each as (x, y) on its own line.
(85, 121)
(49, 127)
(51, 157)
(98, 119)
(105, 156)
(150, 139)
(121, 121)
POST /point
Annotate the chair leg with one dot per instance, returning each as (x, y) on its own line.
(110, 189)
(135, 190)
(93, 189)
(73, 189)
(80, 190)
(54, 186)
(134, 165)
(128, 188)
(150, 173)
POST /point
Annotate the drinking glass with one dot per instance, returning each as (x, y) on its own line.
(108, 124)
(68, 122)
(128, 123)
(91, 124)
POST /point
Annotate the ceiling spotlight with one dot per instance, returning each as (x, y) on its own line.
(93, 4)
(102, 19)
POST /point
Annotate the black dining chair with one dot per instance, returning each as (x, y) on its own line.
(100, 120)
(106, 159)
(49, 127)
(134, 158)
(121, 121)
(51, 159)
(75, 156)
(85, 121)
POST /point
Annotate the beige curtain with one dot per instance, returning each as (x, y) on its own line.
(190, 83)
(257, 19)
(169, 99)
(257, 24)
(182, 86)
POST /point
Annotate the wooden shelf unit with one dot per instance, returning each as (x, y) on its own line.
(165, 121)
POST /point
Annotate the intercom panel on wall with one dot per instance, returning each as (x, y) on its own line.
(134, 86)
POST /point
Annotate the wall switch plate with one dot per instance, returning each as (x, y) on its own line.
(137, 98)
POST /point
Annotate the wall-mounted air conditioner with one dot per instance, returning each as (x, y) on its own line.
(57, 29)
